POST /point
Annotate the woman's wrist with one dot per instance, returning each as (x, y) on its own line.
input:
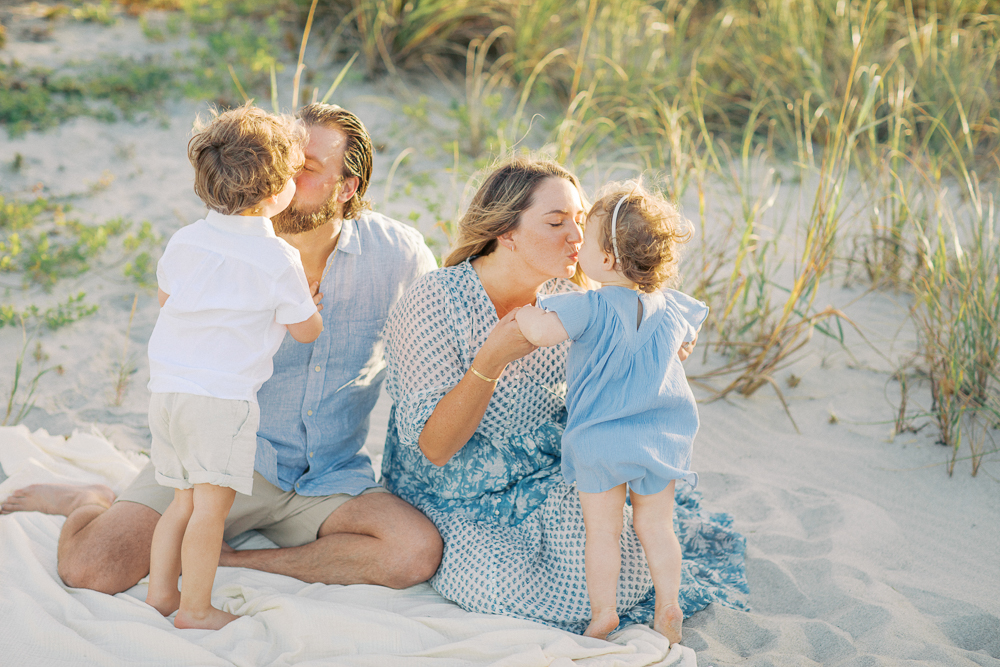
(485, 365)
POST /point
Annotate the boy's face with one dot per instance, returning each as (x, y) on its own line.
(284, 197)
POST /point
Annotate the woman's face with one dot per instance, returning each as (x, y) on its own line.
(548, 237)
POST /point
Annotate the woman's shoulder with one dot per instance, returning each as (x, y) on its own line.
(559, 286)
(442, 279)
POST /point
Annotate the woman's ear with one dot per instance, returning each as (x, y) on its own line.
(506, 240)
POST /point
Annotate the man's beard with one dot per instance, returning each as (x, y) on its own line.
(295, 221)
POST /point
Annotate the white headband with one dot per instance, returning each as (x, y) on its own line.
(614, 228)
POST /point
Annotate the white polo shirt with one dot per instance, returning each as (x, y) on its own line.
(233, 285)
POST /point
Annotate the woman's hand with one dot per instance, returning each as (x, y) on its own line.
(504, 344)
(457, 415)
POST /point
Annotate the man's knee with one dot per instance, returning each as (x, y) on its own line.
(87, 572)
(110, 553)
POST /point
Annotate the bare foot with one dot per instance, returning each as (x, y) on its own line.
(602, 624)
(166, 605)
(60, 499)
(668, 621)
(213, 619)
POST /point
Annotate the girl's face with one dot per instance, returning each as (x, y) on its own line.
(594, 261)
(548, 237)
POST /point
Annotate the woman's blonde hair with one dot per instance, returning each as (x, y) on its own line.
(243, 156)
(497, 206)
(649, 232)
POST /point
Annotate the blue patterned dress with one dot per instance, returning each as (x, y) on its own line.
(512, 527)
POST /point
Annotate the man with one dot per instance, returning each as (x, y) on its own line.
(314, 494)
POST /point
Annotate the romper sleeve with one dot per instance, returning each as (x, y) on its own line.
(691, 310)
(422, 352)
(293, 301)
(575, 310)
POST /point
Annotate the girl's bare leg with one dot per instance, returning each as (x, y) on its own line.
(602, 517)
(165, 554)
(200, 558)
(653, 518)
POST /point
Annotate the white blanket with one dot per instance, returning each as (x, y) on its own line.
(284, 621)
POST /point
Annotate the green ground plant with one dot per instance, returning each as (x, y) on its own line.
(20, 397)
(41, 245)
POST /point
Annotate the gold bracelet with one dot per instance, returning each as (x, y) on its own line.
(481, 376)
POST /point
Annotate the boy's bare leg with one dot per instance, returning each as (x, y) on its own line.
(653, 518)
(100, 548)
(200, 558)
(165, 553)
(602, 517)
(376, 538)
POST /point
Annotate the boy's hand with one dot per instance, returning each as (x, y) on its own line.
(316, 294)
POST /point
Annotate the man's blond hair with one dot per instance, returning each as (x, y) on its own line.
(243, 156)
(358, 152)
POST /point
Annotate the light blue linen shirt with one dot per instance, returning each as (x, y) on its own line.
(314, 410)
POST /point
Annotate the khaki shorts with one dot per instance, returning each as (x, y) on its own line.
(203, 440)
(284, 517)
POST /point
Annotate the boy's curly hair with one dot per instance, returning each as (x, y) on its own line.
(650, 231)
(243, 156)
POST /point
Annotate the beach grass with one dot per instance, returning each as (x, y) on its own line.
(883, 102)
(880, 117)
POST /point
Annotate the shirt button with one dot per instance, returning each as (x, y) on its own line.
(311, 454)
(317, 369)
(309, 412)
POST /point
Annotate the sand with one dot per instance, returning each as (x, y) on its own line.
(862, 550)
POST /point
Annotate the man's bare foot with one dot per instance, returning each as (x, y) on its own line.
(603, 623)
(59, 499)
(165, 605)
(668, 620)
(212, 619)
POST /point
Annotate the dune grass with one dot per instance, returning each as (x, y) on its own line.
(882, 114)
(893, 101)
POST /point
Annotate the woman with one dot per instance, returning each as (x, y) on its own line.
(474, 436)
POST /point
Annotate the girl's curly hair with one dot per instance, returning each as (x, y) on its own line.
(650, 231)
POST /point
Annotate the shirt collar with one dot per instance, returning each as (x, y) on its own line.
(350, 238)
(249, 225)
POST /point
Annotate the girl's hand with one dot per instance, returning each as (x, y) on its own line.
(317, 296)
(687, 348)
(504, 344)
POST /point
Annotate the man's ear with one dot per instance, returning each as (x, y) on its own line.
(351, 184)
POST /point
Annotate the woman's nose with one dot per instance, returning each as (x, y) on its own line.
(575, 234)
